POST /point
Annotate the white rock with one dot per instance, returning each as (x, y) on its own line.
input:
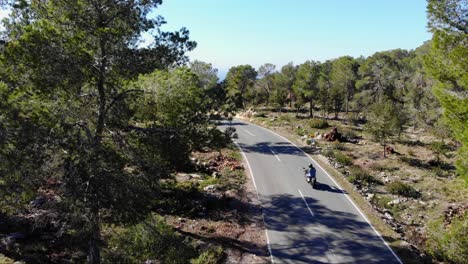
(210, 187)
(388, 216)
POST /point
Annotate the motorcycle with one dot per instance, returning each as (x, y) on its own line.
(311, 179)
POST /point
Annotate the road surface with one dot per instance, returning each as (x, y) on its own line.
(305, 225)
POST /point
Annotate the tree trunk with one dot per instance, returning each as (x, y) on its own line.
(346, 104)
(311, 108)
(95, 236)
(384, 154)
(95, 228)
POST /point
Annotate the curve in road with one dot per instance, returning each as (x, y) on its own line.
(305, 225)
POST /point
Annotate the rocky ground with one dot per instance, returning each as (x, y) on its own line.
(239, 229)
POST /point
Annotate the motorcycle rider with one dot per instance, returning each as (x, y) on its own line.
(311, 172)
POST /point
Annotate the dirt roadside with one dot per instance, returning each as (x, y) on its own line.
(236, 222)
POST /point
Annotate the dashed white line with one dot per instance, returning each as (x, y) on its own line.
(346, 195)
(276, 156)
(248, 132)
(310, 210)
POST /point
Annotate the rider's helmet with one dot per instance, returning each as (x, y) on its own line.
(311, 166)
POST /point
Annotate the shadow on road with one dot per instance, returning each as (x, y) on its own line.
(267, 147)
(326, 236)
(229, 124)
(319, 186)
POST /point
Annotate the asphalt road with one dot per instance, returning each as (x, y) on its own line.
(305, 225)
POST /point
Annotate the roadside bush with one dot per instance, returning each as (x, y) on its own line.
(328, 152)
(400, 188)
(260, 114)
(439, 149)
(150, 240)
(301, 131)
(338, 146)
(318, 123)
(449, 243)
(381, 201)
(342, 158)
(382, 167)
(285, 118)
(209, 181)
(438, 171)
(211, 256)
(360, 176)
(348, 134)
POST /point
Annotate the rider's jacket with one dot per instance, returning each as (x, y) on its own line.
(311, 172)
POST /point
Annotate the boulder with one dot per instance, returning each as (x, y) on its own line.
(211, 188)
(230, 193)
(333, 135)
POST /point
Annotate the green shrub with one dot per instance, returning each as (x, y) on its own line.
(150, 240)
(285, 118)
(382, 167)
(342, 158)
(439, 148)
(318, 123)
(348, 134)
(360, 176)
(381, 201)
(449, 243)
(400, 188)
(301, 131)
(438, 171)
(260, 114)
(208, 181)
(328, 152)
(338, 146)
(211, 256)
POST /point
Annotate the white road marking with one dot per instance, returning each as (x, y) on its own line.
(250, 168)
(258, 197)
(276, 156)
(268, 243)
(248, 132)
(310, 210)
(346, 195)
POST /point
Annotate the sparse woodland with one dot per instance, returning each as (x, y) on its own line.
(98, 134)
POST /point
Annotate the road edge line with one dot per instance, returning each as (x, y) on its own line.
(346, 195)
(258, 198)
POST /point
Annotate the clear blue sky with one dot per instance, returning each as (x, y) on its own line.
(234, 32)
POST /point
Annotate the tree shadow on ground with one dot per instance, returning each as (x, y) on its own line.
(328, 235)
(409, 254)
(225, 123)
(213, 208)
(427, 165)
(412, 143)
(272, 148)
